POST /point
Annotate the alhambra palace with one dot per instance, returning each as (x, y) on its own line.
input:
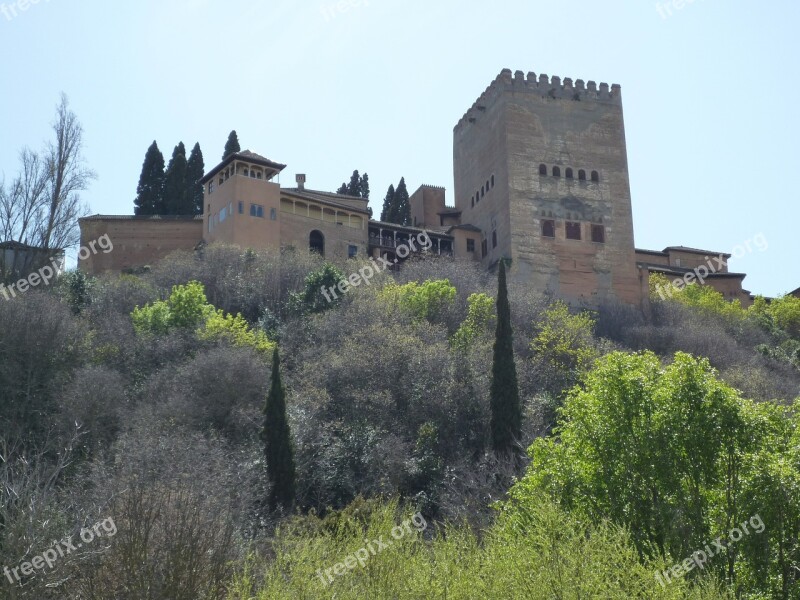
(541, 179)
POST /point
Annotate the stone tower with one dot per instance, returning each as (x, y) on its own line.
(541, 168)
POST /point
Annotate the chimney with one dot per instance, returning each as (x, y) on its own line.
(300, 178)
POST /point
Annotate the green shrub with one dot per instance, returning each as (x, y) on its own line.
(421, 301)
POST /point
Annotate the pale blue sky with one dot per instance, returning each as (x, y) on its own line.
(710, 96)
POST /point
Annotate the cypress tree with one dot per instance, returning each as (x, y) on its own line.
(277, 440)
(401, 212)
(150, 191)
(354, 187)
(342, 189)
(506, 417)
(364, 187)
(195, 169)
(388, 204)
(232, 145)
(175, 183)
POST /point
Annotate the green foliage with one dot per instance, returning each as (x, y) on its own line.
(195, 169)
(187, 308)
(780, 313)
(701, 297)
(425, 470)
(75, 288)
(675, 455)
(312, 299)
(150, 191)
(358, 186)
(480, 312)
(421, 301)
(277, 439)
(175, 196)
(565, 341)
(236, 331)
(506, 411)
(548, 554)
(232, 145)
(388, 204)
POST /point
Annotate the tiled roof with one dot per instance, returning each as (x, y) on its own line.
(142, 218)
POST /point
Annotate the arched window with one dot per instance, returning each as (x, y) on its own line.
(246, 172)
(316, 242)
(582, 175)
(568, 173)
(595, 176)
(542, 169)
(492, 180)
(556, 172)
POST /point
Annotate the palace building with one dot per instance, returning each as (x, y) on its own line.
(541, 179)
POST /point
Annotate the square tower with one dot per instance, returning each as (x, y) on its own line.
(541, 168)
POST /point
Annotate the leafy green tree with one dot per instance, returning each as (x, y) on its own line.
(423, 301)
(195, 169)
(780, 313)
(150, 191)
(232, 145)
(277, 438)
(357, 187)
(506, 411)
(364, 187)
(388, 204)
(316, 295)
(186, 307)
(479, 314)
(175, 183)
(354, 187)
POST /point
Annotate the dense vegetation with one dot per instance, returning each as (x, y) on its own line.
(149, 399)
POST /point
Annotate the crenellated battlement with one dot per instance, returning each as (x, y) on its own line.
(546, 87)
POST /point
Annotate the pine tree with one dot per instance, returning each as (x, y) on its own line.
(401, 213)
(364, 187)
(277, 440)
(388, 205)
(506, 417)
(232, 145)
(150, 191)
(354, 187)
(195, 169)
(175, 182)
(342, 189)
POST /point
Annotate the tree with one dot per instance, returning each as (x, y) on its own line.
(358, 186)
(342, 190)
(232, 145)
(354, 187)
(175, 183)
(195, 169)
(42, 205)
(506, 413)
(277, 439)
(150, 191)
(401, 210)
(388, 204)
(364, 187)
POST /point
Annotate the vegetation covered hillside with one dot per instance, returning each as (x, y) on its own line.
(222, 430)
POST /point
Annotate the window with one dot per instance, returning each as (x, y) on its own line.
(470, 245)
(487, 185)
(556, 172)
(273, 214)
(352, 251)
(316, 242)
(210, 187)
(542, 169)
(477, 196)
(568, 173)
(482, 192)
(548, 228)
(595, 176)
(492, 180)
(494, 239)
(223, 214)
(484, 249)
(599, 234)
(582, 175)
(573, 230)
(245, 172)
(241, 207)
(473, 201)
(256, 210)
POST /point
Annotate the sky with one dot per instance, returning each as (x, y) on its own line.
(709, 91)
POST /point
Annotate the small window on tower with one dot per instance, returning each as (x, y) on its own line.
(595, 176)
(273, 214)
(599, 234)
(548, 228)
(494, 239)
(556, 172)
(241, 207)
(492, 180)
(573, 230)
(470, 245)
(542, 169)
(582, 175)
(352, 251)
(568, 173)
